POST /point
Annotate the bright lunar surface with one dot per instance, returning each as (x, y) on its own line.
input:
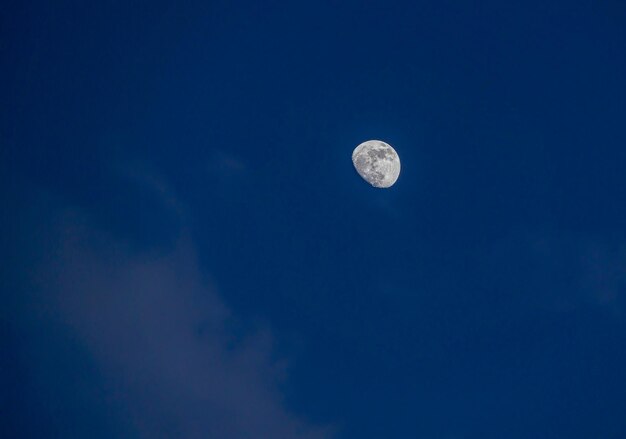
(377, 162)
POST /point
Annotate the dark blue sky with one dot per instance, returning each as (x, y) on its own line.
(190, 253)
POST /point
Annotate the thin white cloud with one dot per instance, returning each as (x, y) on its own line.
(159, 334)
(560, 271)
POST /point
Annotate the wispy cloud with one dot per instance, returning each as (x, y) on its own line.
(156, 332)
(561, 271)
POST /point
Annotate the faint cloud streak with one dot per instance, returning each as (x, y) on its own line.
(159, 335)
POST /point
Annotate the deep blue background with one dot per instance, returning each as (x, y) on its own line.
(482, 296)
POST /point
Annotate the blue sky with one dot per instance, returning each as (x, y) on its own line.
(191, 253)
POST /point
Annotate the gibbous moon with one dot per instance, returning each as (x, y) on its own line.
(377, 162)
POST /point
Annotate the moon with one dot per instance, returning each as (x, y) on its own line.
(377, 162)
